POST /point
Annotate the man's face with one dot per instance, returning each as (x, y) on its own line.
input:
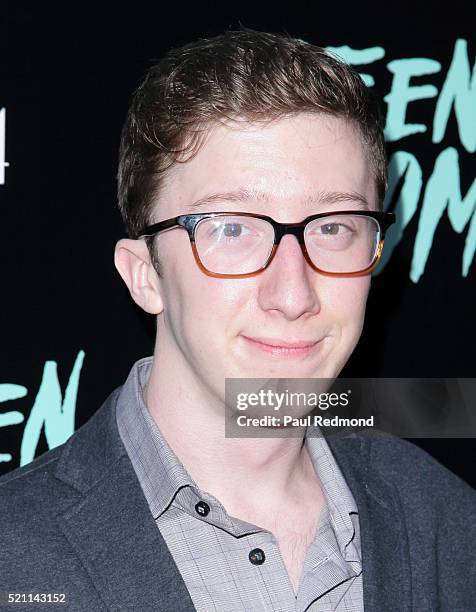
(207, 322)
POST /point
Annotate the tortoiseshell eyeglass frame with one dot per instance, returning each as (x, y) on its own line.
(190, 222)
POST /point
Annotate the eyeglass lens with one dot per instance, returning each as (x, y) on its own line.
(237, 244)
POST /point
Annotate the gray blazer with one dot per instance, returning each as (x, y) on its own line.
(75, 521)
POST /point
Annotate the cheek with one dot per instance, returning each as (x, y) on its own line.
(204, 306)
(216, 298)
(347, 298)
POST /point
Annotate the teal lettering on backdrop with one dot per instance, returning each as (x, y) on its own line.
(402, 93)
(459, 91)
(442, 191)
(51, 411)
(10, 392)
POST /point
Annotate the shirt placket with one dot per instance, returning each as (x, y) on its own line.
(253, 553)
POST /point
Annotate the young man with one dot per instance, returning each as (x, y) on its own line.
(149, 506)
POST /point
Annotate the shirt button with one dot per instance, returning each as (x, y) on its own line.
(202, 508)
(257, 556)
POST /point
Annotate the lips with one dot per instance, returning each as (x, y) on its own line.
(278, 343)
(285, 349)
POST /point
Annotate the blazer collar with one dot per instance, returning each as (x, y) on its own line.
(107, 521)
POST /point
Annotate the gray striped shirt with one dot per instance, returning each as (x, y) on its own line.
(212, 551)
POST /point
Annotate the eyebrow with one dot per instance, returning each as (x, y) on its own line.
(246, 195)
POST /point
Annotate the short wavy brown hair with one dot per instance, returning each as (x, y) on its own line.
(256, 76)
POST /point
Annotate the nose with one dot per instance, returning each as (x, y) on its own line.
(287, 286)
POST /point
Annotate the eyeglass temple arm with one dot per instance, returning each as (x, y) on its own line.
(150, 230)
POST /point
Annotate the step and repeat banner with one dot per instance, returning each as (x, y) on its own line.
(69, 329)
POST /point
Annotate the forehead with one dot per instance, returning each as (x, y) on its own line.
(281, 165)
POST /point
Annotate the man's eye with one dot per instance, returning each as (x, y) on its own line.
(333, 229)
(232, 230)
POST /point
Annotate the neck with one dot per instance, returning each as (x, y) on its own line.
(191, 419)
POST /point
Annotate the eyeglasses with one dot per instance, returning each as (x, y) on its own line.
(242, 244)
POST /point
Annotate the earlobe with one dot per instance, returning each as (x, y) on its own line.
(132, 261)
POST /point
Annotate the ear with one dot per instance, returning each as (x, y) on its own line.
(132, 260)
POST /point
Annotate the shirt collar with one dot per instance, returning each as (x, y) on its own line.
(147, 448)
(341, 506)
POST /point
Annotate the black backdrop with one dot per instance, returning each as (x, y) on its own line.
(69, 329)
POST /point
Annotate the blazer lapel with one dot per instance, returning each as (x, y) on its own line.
(385, 551)
(110, 525)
